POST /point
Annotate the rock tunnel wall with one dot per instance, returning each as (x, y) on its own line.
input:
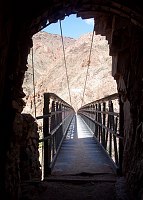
(15, 46)
(129, 75)
(30, 168)
(126, 47)
(23, 155)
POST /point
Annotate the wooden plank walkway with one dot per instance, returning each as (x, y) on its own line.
(81, 153)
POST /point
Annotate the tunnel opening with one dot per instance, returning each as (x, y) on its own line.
(50, 73)
(125, 39)
(73, 66)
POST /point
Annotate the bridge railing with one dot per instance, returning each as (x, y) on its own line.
(104, 119)
(57, 116)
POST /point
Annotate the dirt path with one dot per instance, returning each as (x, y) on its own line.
(75, 190)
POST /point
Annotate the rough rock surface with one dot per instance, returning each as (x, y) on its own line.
(50, 72)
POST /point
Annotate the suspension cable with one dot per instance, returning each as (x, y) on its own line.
(65, 62)
(33, 83)
(88, 64)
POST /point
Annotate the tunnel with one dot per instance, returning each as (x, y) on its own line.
(121, 22)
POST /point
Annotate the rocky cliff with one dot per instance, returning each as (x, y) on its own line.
(50, 71)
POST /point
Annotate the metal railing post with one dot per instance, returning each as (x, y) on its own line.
(47, 143)
(104, 122)
(121, 129)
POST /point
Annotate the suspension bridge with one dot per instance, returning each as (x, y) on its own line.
(88, 142)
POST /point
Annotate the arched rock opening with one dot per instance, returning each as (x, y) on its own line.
(122, 26)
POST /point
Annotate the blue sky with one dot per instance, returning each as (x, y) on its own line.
(72, 26)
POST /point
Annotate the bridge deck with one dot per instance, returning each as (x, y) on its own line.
(81, 153)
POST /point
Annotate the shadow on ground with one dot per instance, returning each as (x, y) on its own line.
(75, 190)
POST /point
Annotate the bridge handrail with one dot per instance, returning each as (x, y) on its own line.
(105, 124)
(104, 99)
(55, 97)
(50, 114)
(57, 116)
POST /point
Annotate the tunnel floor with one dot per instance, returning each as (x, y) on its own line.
(76, 190)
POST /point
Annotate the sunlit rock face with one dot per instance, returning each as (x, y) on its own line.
(50, 71)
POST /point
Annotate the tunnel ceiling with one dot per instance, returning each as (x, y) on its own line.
(38, 14)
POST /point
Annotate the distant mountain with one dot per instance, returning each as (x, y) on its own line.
(50, 72)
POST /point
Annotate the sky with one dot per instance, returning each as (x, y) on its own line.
(72, 26)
